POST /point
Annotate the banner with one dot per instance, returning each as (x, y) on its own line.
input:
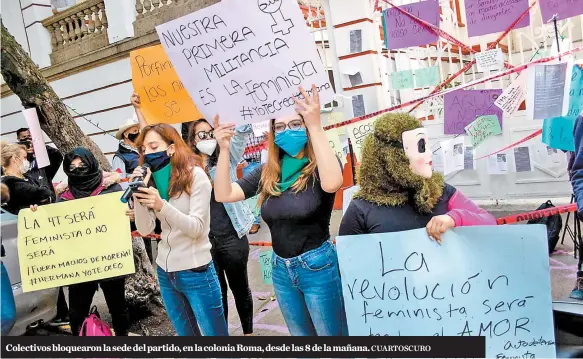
(74, 242)
(245, 60)
(164, 99)
(491, 281)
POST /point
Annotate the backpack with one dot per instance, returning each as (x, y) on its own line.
(93, 326)
(553, 223)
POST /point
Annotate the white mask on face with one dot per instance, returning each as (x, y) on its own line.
(24, 165)
(416, 146)
(207, 146)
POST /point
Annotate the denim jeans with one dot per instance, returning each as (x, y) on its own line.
(8, 316)
(256, 211)
(309, 292)
(193, 299)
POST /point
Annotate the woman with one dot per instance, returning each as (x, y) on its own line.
(188, 281)
(398, 189)
(230, 222)
(86, 179)
(296, 188)
(8, 307)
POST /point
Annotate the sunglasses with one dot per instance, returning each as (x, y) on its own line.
(294, 125)
(73, 168)
(203, 135)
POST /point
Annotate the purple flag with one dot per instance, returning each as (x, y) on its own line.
(402, 31)
(490, 16)
(462, 107)
(563, 8)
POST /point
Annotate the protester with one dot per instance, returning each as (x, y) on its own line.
(180, 199)
(296, 188)
(230, 222)
(40, 176)
(398, 189)
(253, 160)
(8, 307)
(577, 182)
(125, 160)
(86, 179)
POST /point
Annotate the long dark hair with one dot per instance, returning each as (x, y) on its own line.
(212, 159)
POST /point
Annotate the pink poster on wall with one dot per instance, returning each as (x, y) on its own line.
(563, 8)
(491, 16)
(402, 31)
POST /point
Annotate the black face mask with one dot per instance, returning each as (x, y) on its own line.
(30, 157)
(80, 171)
(132, 136)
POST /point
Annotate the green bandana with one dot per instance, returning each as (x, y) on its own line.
(162, 180)
(291, 169)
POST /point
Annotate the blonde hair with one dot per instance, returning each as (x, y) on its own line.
(8, 151)
(270, 176)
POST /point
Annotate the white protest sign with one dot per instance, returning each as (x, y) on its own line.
(38, 142)
(512, 96)
(245, 59)
(259, 129)
(490, 60)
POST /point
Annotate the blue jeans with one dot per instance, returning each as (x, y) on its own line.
(309, 292)
(246, 170)
(193, 299)
(8, 315)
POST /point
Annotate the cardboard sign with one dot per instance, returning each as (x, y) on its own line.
(462, 107)
(563, 8)
(490, 60)
(427, 76)
(164, 99)
(402, 31)
(401, 80)
(511, 98)
(558, 133)
(548, 96)
(245, 60)
(357, 133)
(576, 92)
(38, 143)
(266, 266)
(404, 284)
(482, 128)
(487, 17)
(74, 242)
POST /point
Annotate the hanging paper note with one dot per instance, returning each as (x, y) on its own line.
(576, 91)
(490, 60)
(469, 158)
(402, 31)
(547, 95)
(427, 76)
(401, 80)
(453, 155)
(558, 133)
(462, 107)
(563, 8)
(498, 164)
(509, 101)
(266, 266)
(487, 17)
(522, 159)
(482, 128)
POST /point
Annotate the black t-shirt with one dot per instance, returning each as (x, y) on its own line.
(298, 222)
(364, 217)
(221, 225)
(24, 193)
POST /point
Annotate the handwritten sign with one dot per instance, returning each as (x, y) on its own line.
(74, 242)
(358, 132)
(402, 31)
(576, 91)
(558, 133)
(462, 107)
(563, 8)
(266, 266)
(427, 76)
(164, 98)
(404, 284)
(482, 128)
(548, 96)
(260, 128)
(245, 61)
(401, 80)
(487, 17)
(490, 60)
(38, 142)
(511, 98)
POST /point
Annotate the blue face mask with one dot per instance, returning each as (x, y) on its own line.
(292, 142)
(157, 160)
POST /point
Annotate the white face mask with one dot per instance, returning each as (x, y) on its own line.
(416, 146)
(24, 166)
(207, 146)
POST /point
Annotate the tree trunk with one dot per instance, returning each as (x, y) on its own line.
(27, 82)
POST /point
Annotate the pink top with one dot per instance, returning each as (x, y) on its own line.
(466, 213)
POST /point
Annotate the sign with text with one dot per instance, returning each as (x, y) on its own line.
(404, 284)
(38, 142)
(462, 107)
(74, 242)
(245, 61)
(358, 132)
(427, 76)
(266, 266)
(576, 91)
(163, 96)
(558, 133)
(490, 16)
(490, 60)
(511, 98)
(401, 80)
(482, 128)
(453, 155)
(563, 8)
(548, 94)
(402, 31)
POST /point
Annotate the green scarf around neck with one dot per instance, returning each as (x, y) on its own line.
(162, 180)
(291, 169)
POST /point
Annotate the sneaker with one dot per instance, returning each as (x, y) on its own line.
(254, 229)
(577, 293)
(59, 322)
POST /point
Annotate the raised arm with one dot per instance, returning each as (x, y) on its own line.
(136, 102)
(238, 142)
(225, 191)
(328, 168)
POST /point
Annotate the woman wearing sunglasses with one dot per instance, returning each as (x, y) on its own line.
(296, 191)
(230, 222)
